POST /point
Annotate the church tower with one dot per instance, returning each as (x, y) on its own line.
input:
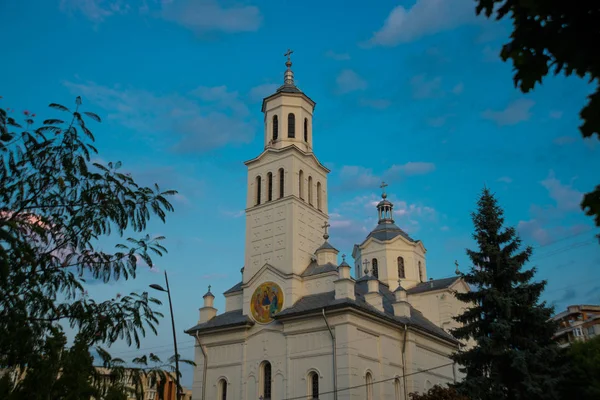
(390, 254)
(287, 186)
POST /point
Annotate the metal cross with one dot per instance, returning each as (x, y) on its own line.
(366, 264)
(344, 257)
(383, 186)
(325, 226)
(209, 288)
(288, 54)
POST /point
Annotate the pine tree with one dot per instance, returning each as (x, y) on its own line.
(514, 356)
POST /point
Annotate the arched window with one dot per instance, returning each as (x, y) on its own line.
(266, 380)
(301, 184)
(258, 187)
(319, 195)
(314, 385)
(291, 125)
(401, 272)
(375, 268)
(306, 129)
(275, 127)
(397, 388)
(222, 389)
(421, 277)
(281, 186)
(310, 190)
(269, 186)
(369, 385)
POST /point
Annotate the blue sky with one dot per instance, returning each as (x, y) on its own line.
(413, 93)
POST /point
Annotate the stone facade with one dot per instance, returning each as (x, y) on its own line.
(298, 325)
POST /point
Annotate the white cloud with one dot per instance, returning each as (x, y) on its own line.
(205, 119)
(516, 112)
(425, 17)
(257, 93)
(445, 228)
(349, 81)
(199, 16)
(411, 168)
(491, 54)
(438, 122)
(505, 179)
(337, 56)
(358, 177)
(458, 89)
(423, 88)
(566, 198)
(208, 15)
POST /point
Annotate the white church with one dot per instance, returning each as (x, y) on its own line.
(301, 326)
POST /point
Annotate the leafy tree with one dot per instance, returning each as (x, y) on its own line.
(439, 393)
(582, 382)
(562, 36)
(57, 209)
(514, 356)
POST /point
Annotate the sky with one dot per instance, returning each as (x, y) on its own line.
(413, 93)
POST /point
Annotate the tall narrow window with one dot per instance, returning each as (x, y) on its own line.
(314, 385)
(310, 190)
(275, 127)
(397, 388)
(421, 277)
(269, 186)
(306, 129)
(319, 195)
(223, 389)
(291, 125)
(375, 268)
(369, 382)
(258, 190)
(266, 375)
(281, 182)
(401, 272)
(301, 184)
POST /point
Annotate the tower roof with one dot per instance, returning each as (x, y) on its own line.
(386, 228)
(289, 86)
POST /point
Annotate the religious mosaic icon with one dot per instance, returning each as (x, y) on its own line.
(267, 301)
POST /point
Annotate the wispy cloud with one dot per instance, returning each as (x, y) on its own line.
(563, 140)
(257, 93)
(204, 119)
(358, 177)
(459, 88)
(337, 56)
(378, 104)
(199, 16)
(516, 112)
(349, 81)
(505, 179)
(425, 17)
(411, 168)
(208, 15)
(424, 87)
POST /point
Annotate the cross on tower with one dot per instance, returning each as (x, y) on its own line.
(209, 288)
(325, 226)
(366, 264)
(383, 186)
(288, 54)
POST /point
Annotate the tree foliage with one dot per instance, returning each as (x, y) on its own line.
(439, 393)
(57, 209)
(557, 36)
(514, 356)
(582, 381)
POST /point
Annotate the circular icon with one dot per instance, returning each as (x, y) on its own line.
(267, 301)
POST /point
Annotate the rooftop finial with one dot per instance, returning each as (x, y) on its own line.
(457, 271)
(288, 77)
(209, 288)
(343, 258)
(325, 226)
(383, 186)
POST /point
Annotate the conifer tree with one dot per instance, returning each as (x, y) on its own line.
(514, 356)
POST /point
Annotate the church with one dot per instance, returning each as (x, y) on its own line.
(299, 324)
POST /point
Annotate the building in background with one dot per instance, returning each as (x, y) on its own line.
(578, 323)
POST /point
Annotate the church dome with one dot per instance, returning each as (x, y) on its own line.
(388, 231)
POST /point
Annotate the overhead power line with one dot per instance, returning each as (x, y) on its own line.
(374, 382)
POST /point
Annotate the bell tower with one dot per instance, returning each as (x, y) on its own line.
(287, 185)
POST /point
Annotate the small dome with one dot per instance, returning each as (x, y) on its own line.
(209, 293)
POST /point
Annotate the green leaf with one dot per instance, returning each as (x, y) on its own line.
(93, 116)
(59, 107)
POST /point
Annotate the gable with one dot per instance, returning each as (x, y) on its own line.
(271, 152)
